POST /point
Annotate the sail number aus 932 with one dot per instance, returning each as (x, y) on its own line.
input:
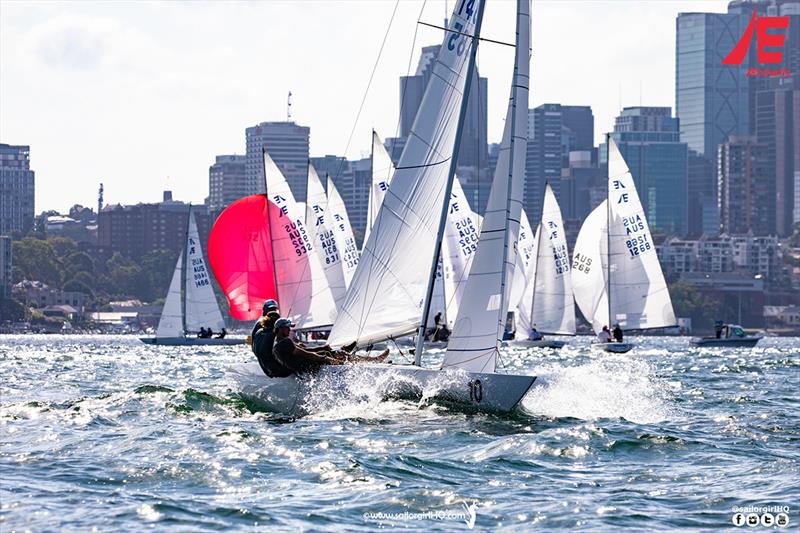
(476, 391)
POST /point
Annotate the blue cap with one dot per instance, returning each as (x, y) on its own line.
(283, 323)
(269, 304)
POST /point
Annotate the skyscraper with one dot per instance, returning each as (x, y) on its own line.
(353, 180)
(16, 189)
(287, 145)
(554, 130)
(649, 140)
(227, 181)
(746, 201)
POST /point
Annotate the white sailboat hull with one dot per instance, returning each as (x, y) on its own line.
(482, 391)
(543, 343)
(191, 341)
(613, 347)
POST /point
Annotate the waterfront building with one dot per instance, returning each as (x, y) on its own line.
(16, 189)
(287, 145)
(745, 192)
(227, 181)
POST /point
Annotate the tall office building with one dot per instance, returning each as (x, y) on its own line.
(352, 180)
(287, 144)
(473, 148)
(227, 181)
(649, 140)
(5, 266)
(777, 127)
(16, 189)
(702, 189)
(554, 130)
(745, 197)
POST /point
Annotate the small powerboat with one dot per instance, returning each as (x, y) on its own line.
(729, 335)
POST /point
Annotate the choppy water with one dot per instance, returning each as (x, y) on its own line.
(107, 433)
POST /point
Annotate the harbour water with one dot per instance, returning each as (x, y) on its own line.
(104, 432)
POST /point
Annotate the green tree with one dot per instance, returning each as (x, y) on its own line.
(77, 262)
(157, 268)
(36, 260)
(690, 302)
(121, 277)
(63, 246)
(12, 310)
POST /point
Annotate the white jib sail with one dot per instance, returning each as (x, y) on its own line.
(303, 292)
(481, 320)
(386, 295)
(336, 218)
(324, 240)
(458, 249)
(202, 309)
(171, 322)
(382, 172)
(589, 268)
(548, 295)
(524, 258)
(639, 295)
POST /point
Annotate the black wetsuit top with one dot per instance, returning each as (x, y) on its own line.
(263, 342)
(283, 352)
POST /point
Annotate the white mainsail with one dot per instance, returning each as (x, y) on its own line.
(458, 248)
(633, 293)
(382, 172)
(202, 309)
(324, 240)
(389, 287)
(522, 264)
(171, 322)
(303, 292)
(478, 331)
(547, 301)
(336, 218)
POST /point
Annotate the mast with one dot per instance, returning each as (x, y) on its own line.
(185, 270)
(608, 227)
(269, 223)
(448, 188)
(539, 231)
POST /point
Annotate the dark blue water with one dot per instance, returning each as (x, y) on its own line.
(107, 433)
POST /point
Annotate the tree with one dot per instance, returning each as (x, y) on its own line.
(63, 246)
(122, 275)
(36, 260)
(157, 268)
(76, 263)
(689, 302)
(12, 310)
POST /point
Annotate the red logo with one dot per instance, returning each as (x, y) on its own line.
(764, 39)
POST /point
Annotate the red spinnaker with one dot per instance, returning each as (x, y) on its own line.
(240, 254)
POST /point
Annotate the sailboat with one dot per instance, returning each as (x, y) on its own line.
(547, 302)
(190, 303)
(388, 297)
(616, 275)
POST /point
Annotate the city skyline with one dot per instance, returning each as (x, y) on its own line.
(159, 90)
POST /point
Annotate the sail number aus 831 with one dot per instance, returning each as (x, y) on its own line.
(476, 391)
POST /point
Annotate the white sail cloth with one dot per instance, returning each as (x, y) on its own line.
(386, 295)
(325, 245)
(337, 220)
(202, 309)
(478, 331)
(632, 292)
(171, 322)
(303, 291)
(547, 300)
(382, 172)
(522, 265)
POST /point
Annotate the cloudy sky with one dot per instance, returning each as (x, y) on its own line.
(142, 95)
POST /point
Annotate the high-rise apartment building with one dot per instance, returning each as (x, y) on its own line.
(5, 266)
(16, 189)
(352, 180)
(649, 140)
(227, 181)
(745, 197)
(287, 145)
(554, 130)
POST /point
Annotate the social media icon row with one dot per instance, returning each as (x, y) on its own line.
(766, 519)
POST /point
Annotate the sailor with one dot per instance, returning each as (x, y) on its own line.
(209, 333)
(604, 335)
(222, 334)
(441, 333)
(202, 333)
(299, 358)
(269, 305)
(263, 342)
(617, 333)
(535, 335)
(718, 328)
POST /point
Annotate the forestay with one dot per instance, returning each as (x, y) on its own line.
(171, 322)
(336, 218)
(382, 172)
(202, 309)
(458, 249)
(548, 294)
(479, 327)
(388, 289)
(303, 292)
(323, 237)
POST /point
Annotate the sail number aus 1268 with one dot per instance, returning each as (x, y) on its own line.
(638, 245)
